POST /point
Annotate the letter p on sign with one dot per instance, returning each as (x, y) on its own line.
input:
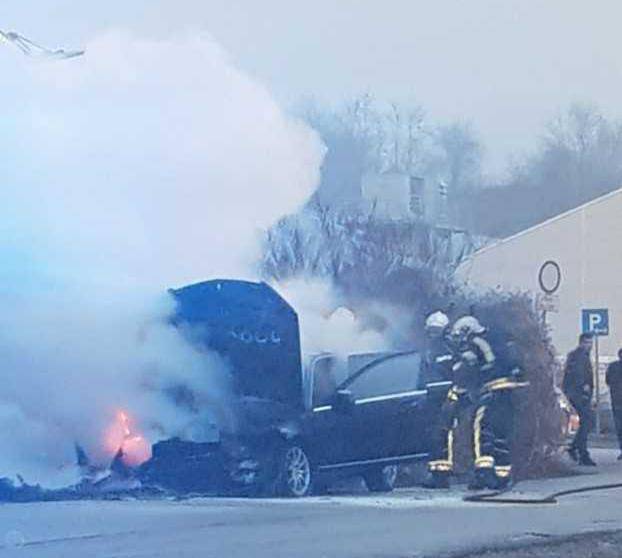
(595, 321)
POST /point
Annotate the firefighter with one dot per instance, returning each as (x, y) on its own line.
(438, 358)
(443, 360)
(499, 375)
(436, 366)
(474, 360)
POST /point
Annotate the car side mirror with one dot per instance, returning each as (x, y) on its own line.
(343, 401)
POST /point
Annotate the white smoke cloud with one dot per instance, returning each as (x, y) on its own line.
(72, 361)
(326, 323)
(162, 155)
(143, 165)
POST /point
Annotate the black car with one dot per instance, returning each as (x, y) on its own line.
(296, 429)
(376, 418)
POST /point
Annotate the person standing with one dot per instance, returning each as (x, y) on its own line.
(473, 357)
(614, 382)
(437, 366)
(437, 359)
(578, 386)
(477, 365)
(493, 427)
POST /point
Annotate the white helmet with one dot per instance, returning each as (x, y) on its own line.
(467, 325)
(437, 319)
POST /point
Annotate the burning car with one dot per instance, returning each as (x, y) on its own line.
(296, 426)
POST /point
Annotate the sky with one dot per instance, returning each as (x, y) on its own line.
(505, 65)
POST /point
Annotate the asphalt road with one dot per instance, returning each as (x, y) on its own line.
(407, 523)
(592, 545)
(390, 526)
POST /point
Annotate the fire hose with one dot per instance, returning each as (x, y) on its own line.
(496, 497)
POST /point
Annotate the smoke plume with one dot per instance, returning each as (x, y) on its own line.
(326, 323)
(140, 166)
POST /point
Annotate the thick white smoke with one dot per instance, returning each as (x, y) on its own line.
(143, 165)
(326, 325)
(329, 325)
(73, 359)
(161, 157)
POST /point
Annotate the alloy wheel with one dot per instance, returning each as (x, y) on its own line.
(297, 471)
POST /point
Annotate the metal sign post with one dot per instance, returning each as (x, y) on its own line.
(597, 383)
(549, 279)
(596, 322)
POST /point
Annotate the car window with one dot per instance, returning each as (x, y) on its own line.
(391, 375)
(324, 381)
(359, 360)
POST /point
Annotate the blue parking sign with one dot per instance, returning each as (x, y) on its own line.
(595, 321)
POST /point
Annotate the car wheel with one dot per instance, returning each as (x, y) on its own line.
(381, 479)
(294, 472)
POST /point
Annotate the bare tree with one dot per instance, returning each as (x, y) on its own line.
(583, 150)
(354, 137)
(365, 136)
(406, 147)
(460, 156)
(579, 158)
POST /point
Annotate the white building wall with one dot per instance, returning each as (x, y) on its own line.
(587, 245)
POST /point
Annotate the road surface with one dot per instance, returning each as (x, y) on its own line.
(408, 523)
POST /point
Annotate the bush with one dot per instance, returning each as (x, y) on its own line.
(538, 415)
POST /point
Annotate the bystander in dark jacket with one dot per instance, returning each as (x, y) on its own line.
(578, 385)
(614, 381)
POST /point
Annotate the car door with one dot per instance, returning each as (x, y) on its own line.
(330, 428)
(385, 397)
(419, 411)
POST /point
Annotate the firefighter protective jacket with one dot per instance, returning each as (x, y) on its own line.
(476, 364)
(438, 361)
(507, 371)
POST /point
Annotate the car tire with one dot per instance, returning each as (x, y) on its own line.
(294, 474)
(381, 479)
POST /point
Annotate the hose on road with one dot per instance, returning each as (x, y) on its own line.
(496, 497)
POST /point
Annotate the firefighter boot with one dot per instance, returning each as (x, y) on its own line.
(502, 483)
(483, 478)
(436, 479)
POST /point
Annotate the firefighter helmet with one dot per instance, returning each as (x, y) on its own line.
(437, 320)
(467, 325)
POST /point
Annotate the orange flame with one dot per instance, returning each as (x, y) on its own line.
(120, 436)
